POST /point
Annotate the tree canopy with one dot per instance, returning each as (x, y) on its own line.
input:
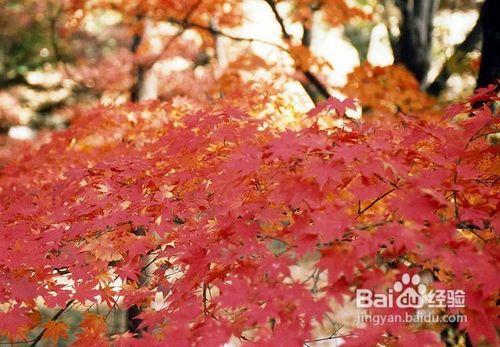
(210, 205)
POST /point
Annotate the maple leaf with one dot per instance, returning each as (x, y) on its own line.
(130, 271)
(330, 224)
(419, 338)
(332, 103)
(247, 160)
(485, 93)
(93, 323)
(23, 289)
(15, 323)
(323, 171)
(55, 331)
(234, 294)
(286, 146)
(480, 119)
(453, 110)
(370, 337)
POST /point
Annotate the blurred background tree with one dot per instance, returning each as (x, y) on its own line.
(56, 56)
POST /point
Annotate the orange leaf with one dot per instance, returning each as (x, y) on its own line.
(55, 330)
(93, 323)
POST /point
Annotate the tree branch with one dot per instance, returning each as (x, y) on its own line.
(212, 30)
(141, 69)
(307, 73)
(185, 24)
(370, 205)
(310, 77)
(331, 337)
(279, 19)
(54, 318)
(317, 83)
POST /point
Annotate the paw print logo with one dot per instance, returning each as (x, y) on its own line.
(409, 297)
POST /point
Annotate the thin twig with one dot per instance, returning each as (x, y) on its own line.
(307, 73)
(183, 23)
(472, 229)
(17, 342)
(54, 318)
(279, 19)
(214, 31)
(205, 299)
(150, 262)
(328, 338)
(370, 205)
(309, 277)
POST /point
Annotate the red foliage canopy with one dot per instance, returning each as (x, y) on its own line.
(220, 210)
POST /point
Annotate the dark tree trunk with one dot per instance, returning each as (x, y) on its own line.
(307, 35)
(471, 42)
(138, 70)
(414, 45)
(132, 320)
(489, 71)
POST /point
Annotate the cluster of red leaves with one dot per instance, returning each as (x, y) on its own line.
(216, 208)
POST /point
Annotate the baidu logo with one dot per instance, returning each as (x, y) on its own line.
(410, 293)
